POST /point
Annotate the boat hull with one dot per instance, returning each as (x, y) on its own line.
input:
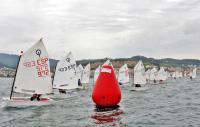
(68, 95)
(25, 101)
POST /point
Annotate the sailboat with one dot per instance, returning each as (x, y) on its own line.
(139, 77)
(154, 76)
(193, 73)
(79, 71)
(32, 77)
(96, 73)
(123, 75)
(65, 77)
(85, 77)
(162, 75)
(147, 75)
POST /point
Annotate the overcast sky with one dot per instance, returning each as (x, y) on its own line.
(103, 28)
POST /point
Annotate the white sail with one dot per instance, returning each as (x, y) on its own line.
(66, 74)
(153, 74)
(139, 73)
(162, 75)
(86, 74)
(147, 74)
(177, 74)
(169, 75)
(194, 73)
(33, 73)
(173, 74)
(79, 70)
(96, 73)
(185, 74)
(180, 74)
(123, 75)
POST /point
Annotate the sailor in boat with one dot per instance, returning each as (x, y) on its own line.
(79, 82)
(35, 97)
(137, 85)
(62, 91)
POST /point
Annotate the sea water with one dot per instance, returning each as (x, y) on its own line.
(175, 103)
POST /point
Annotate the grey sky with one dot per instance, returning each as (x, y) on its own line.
(103, 28)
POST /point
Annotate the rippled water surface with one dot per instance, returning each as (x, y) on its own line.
(175, 103)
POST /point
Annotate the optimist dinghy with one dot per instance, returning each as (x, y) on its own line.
(32, 78)
(123, 76)
(139, 77)
(193, 74)
(65, 78)
(85, 77)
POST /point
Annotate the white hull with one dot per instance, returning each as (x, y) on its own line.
(139, 88)
(25, 102)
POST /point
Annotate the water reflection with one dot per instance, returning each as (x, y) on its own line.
(111, 115)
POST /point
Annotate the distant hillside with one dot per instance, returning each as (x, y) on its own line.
(8, 60)
(11, 61)
(167, 61)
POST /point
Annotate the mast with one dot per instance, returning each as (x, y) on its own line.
(15, 77)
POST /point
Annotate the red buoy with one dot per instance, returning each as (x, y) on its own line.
(106, 91)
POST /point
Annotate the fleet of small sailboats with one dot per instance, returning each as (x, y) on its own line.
(32, 83)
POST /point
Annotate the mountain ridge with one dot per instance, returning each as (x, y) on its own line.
(11, 60)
